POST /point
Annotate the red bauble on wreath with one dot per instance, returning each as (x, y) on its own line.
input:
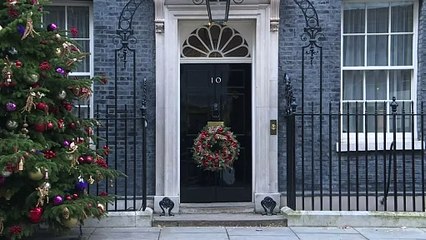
(215, 148)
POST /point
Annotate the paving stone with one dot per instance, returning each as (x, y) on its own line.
(335, 230)
(263, 231)
(392, 233)
(193, 236)
(330, 236)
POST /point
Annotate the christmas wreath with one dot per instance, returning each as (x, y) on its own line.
(215, 148)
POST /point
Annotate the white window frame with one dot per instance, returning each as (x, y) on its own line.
(90, 74)
(383, 140)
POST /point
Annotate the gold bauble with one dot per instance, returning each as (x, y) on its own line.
(36, 175)
(70, 222)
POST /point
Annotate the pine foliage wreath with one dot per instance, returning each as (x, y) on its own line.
(215, 148)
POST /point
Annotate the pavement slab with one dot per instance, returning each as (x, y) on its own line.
(392, 233)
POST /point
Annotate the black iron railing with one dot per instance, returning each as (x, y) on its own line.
(122, 129)
(362, 159)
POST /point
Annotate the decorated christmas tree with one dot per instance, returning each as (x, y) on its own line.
(48, 154)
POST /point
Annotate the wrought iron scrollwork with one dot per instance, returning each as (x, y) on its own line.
(166, 203)
(268, 205)
(291, 104)
(312, 31)
(125, 32)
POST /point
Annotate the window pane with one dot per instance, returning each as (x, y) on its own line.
(79, 17)
(84, 65)
(402, 17)
(352, 117)
(353, 50)
(377, 18)
(55, 15)
(402, 50)
(400, 84)
(352, 85)
(376, 85)
(376, 116)
(353, 18)
(377, 50)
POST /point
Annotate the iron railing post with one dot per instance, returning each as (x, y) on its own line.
(144, 154)
(394, 107)
(291, 142)
(291, 157)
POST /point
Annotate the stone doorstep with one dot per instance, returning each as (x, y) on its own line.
(122, 219)
(353, 218)
(219, 219)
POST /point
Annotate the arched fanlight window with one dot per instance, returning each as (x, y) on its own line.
(215, 41)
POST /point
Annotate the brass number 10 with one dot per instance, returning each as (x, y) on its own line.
(216, 80)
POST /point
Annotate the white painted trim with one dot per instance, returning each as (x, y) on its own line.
(264, 96)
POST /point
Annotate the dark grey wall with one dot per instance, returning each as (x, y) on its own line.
(121, 91)
(292, 23)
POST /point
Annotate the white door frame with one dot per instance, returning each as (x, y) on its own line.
(264, 95)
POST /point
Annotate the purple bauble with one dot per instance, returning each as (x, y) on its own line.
(66, 143)
(81, 185)
(58, 200)
(10, 106)
(2, 180)
(20, 29)
(60, 70)
(51, 27)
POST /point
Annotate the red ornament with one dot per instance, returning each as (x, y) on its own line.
(49, 154)
(12, 12)
(18, 64)
(50, 125)
(74, 32)
(72, 125)
(15, 230)
(81, 159)
(106, 150)
(42, 106)
(35, 214)
(67, 106)
(75, 196)
(61, 123)
(40, 127)
(101, 162)
(89, 159)
(45, 66)
(68, 197)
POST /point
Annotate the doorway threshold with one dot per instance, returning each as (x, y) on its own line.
(217, 207)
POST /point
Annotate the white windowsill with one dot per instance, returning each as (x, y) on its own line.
(381, 145)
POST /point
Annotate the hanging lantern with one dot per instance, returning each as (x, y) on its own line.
(218, 11)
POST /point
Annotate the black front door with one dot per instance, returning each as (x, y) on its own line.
(227, 86)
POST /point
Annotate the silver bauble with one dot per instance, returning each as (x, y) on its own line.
(11, 124)
(33, 78)
(62, 95)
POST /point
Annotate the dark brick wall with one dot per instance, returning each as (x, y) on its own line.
(121, 91)
(292, 23)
